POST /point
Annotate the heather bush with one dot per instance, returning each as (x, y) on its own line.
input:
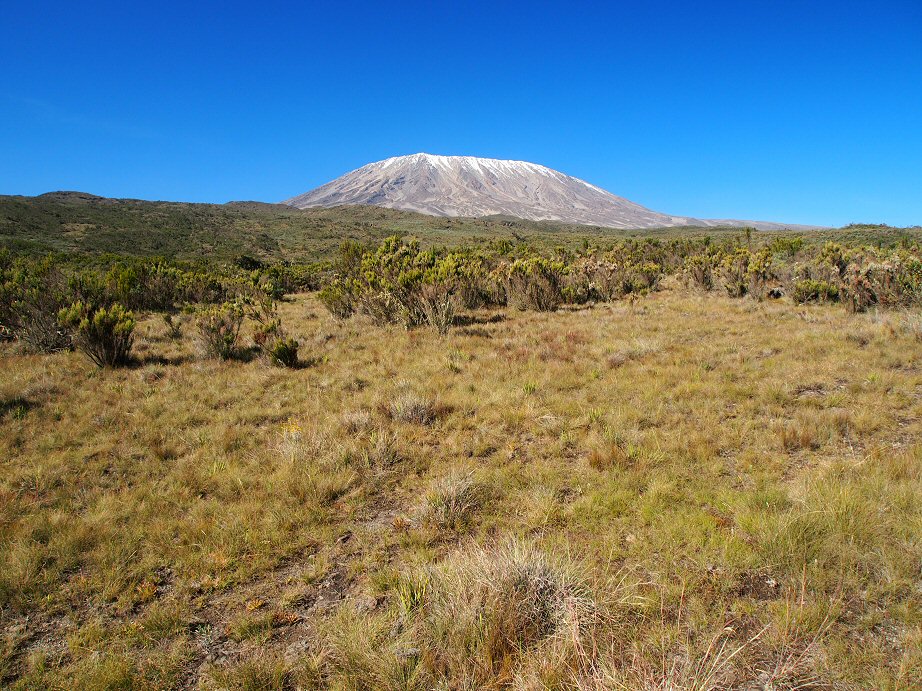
(337, 297)
(34, 292)
(534, 283)
(284, 351)
(439, 305)
(698, 270)
(219, 329)
(734, 272)
(812, 290)
(786, 246)
(760, 273)
(279, 348)
(104, 334)
(858, 293)
(591, 278)
(173, 325)
(644, 277)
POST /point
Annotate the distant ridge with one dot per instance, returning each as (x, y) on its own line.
(478, 187)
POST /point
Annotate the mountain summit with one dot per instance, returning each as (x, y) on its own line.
(475, 187)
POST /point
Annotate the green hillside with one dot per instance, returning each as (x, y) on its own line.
(75, 222)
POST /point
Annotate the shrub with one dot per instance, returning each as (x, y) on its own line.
(284, 352)
(104, 334)
(173, 326)
(760, 273)
(534, 283)
(644, 277)
(734, 273)
(219, 329)
(811, 290)
(699, 270)
(33, 294)
(337, 298)
(439, 304)
(271, 339)
(788, 246)
(591, 278)
(857, 290)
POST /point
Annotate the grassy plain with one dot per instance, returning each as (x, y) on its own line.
(679, 492)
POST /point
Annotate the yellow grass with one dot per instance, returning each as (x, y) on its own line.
(735, 486)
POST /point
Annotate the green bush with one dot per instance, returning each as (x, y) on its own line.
(338, 299)
(534, 283)
(104, 334)
(272, 341)
(699, 270)
(734, 272)
(644, 277)
(33, 294)
(284, 352)
(760, 272)
(219, 329)
(812, 290)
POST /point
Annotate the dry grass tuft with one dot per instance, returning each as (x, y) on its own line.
(485, 618)
(637, 350)
(452, 501)
(413, 408)
(355, 421)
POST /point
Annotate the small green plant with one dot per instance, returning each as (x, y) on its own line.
(173, 326)
(284, 352)
(105, 335)
(279, 348)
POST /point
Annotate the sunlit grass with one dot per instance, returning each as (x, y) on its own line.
(694, 492)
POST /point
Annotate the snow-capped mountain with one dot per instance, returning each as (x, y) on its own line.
(474, 187)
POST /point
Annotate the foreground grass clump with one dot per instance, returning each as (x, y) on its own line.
(483, 618)
(685, 490)
(451, 502)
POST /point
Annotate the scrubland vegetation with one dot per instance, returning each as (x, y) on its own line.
(673, 463)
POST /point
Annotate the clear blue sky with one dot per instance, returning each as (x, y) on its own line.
(792, 111)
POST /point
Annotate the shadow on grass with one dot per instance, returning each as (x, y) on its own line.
(472, 319)
(137, 362)
(15, 408)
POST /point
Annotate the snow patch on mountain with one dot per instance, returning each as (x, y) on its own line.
(476, 187)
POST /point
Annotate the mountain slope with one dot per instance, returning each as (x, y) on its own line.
(476, 187)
